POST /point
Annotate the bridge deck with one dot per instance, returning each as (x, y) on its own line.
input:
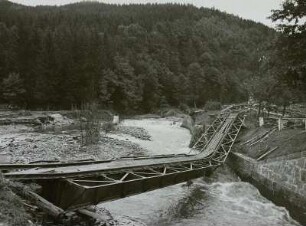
(71, 187)
(73, 171)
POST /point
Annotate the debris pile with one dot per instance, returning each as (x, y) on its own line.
(137, 132)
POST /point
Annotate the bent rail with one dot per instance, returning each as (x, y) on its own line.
(72, 187)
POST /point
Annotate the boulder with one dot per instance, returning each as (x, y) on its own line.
(188, 123)
(58, 119)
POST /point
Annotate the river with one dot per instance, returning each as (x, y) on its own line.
(219, 200)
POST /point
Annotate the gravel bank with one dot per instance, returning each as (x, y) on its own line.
(137, 132)
(21, 143)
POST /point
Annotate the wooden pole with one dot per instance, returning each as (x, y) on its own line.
(42, 203)
(280, 124)
(261, 121)
(267, 153)
(45, 205)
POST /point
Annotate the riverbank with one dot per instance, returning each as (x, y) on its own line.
(220, 199)
(31, 136)
(275, 162)
(58, 141)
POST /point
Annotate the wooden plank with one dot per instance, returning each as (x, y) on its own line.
(267, 153)
(266, 135)
(294, 118)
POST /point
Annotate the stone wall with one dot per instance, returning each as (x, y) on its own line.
(282, 181)
(290, 173)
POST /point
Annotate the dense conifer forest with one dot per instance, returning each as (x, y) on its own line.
(127, 58)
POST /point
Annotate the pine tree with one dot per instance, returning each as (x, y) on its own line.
(12, 89)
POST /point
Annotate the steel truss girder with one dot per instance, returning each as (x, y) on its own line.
(209, 132)
(87, 190)
(74, 193)
(221, 154)
(82, 188)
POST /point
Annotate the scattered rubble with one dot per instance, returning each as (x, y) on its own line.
(28, 138)
(31, 147)
(25, 143)
(125, 221)
(134, 131)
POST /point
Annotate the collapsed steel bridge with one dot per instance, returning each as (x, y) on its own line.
(76, 185)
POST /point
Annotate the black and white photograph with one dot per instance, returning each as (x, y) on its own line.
(152, 112)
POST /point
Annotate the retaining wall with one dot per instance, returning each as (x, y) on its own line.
(283, 180)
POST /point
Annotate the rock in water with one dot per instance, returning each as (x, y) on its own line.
(188, 123)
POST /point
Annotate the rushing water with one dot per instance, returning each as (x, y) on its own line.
(167, 137)
(219, 200)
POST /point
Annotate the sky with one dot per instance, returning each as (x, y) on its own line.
(257, 10)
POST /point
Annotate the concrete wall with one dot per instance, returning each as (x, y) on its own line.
(282, 181)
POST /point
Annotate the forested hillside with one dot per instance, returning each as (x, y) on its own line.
(129, 58)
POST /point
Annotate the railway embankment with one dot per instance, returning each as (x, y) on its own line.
(275, 162)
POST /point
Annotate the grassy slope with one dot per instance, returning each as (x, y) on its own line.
(12, 211)
(288, 141)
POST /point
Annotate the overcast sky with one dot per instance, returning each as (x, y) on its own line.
(257, 10)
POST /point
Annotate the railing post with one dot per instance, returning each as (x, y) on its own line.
(261, 121)
(280, 124)
(116, 120)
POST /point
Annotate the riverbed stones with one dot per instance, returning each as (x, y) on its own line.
(137, 132)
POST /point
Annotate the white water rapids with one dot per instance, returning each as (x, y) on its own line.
(220, 200)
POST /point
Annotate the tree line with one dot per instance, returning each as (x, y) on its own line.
(128, 58)
(282, 77)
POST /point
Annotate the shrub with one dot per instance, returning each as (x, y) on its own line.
(196, 134)
(184, 108)
(213, 105)
(12, 210)
(90, 124)
(108, 127)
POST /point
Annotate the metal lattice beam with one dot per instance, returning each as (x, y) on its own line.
(74, 187)
(209, 132)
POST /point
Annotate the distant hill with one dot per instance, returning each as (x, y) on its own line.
(132, 57)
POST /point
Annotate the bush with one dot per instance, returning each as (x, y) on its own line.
(171, 112)
(197, 133)
(164, 102)
(108, 127)
(12, 210)
(184, 108)
(90, 124)
(213, 105)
